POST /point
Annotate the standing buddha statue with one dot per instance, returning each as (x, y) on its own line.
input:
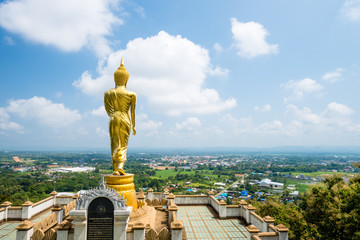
(118, 101)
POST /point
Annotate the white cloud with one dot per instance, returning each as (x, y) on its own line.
(339, 109)
(273, 127)
(333, 76)
(68, 25)
(169, 71)
(351, 10)
(301, 123)
(190, 124)
(99, 112)
(218, 47)
(335, 116)
(301, 87)
(304, 115)
(6, 124)
(265, 108)
(250, 39)
(45, 111)
(101, 132)
(213, 129)
(143, 124)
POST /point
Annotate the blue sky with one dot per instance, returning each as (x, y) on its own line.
(207, 73)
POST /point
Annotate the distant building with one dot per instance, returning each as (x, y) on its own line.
(267, 183)
(75, 169)
(294, 193)
(219, 184)
(291, 187)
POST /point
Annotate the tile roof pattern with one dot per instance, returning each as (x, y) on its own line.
(200, 223)
(8, 229)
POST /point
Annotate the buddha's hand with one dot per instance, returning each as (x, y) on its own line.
(134, 131)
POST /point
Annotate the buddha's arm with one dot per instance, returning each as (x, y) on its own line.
(107, 103)
(132, 112)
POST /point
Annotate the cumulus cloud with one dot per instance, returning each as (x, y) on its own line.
(169, 71)
(351, 10)
(144, 124)
(265, 108)
(333, 76)
(339, 109)
(301, 87)
(335, 116)
(101, 132)
(45, 111)
(334, 119)
(189, 124)
(304, 115)
(6, 124)
(218, 47)
(99, 112)
(68, 25)
(273, 127)
(250, 39)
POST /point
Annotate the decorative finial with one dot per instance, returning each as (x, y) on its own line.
(122, 61)
(102, 182)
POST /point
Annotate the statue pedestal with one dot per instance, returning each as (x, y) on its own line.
(124, 185)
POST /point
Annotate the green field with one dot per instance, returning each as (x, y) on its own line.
(301, 185)
(172, 173)
(320, 174)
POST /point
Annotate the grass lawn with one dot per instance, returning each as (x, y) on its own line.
(172, 173)
(301, 185)
(321, 174)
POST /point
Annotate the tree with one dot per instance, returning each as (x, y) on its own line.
(334, 208)
(289, 215)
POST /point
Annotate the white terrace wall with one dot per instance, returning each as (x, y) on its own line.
(2, 214)
(214, 203)
(42, 205)
(28, 211)
(14, 213)
(158, 195)
(269, 236)
(63, 199)
(191, 200)
(233, 211)
(256, 220)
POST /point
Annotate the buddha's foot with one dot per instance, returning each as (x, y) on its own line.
(116, 173)
(121, 171)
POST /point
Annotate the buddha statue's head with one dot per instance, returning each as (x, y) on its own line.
(121, 76)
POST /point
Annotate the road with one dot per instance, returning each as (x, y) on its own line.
(230, 186)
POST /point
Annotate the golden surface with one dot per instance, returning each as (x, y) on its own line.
(118, 101)
(124, 185)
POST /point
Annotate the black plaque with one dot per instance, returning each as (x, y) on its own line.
(100, 224)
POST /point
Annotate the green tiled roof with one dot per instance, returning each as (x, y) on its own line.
(200, 223)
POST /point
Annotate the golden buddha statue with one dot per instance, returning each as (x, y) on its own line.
(117, 103)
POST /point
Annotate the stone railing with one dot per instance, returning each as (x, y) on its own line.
(28, 209)
(45, 228)
(257, 226)
(69, 207)
(192, 199)
(138, 230)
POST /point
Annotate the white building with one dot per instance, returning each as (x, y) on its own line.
(270, 184)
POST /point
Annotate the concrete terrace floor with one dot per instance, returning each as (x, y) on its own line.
(8, 229)
(200, 223)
